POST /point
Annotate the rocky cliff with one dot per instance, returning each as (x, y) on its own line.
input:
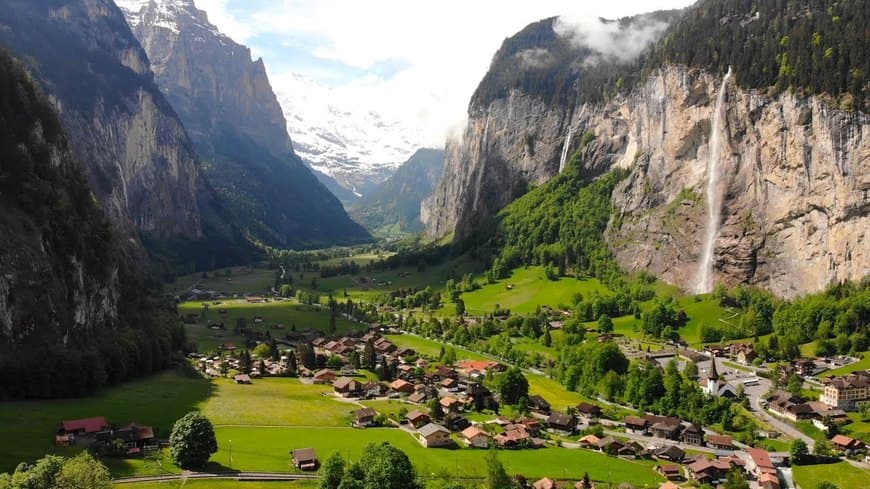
(74, 313)
(794, 179)
(790, 193)
(237, 126)
(138, 157)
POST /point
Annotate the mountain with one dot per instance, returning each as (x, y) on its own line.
(138, 157)
(393, 208)
(348, 140)
(74, 312)
(735, 171)
(227, 104)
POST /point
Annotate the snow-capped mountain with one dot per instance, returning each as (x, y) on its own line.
(344, 138)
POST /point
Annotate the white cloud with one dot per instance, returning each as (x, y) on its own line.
(446, 46)
(609, 38)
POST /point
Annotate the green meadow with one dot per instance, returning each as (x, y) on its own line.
(841, 474)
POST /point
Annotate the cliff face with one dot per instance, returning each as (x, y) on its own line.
(794, 176)
(237, 126)
(138, 157)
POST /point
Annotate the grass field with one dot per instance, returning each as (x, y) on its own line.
(843, 475)
(241, 280)
(530, 289)
(862, 364)
(29, 426)
(275, 402)
(267, 449)
(220, 484)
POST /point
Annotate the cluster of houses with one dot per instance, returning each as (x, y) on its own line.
(213, 366)
(796, 408)
(96, 432)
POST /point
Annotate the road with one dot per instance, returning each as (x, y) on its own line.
(246, 476)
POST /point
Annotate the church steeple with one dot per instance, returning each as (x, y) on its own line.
(714, 374)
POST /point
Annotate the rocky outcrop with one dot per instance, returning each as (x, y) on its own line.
(233, 117)
(138, 157)
(795, 179)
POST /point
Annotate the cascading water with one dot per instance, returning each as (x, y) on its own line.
(564, 157)
(704, 281)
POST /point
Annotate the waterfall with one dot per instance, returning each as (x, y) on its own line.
(565, 149)
(704, 281)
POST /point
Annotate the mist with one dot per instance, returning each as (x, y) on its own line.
(611, 39)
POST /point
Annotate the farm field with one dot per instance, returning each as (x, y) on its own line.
(29, 426)
(234, 280)
(267, 449)
(843, 475)
(862, 364)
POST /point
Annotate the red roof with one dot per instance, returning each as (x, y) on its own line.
(761, 458)
(479, 365)
(88, 425)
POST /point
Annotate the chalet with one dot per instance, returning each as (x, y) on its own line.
(242, 379)
(532, 425)
(672, 453)
(631, 449)
(135, 437)
(539, 405)
(450, 404)
(664, 426)
(324, 376)
(743, 352)
(670, 472)
(515, 438)
(545, 483)
(418, 418)
(589, 441)
(385, 347)
(759, 462)
(456, 422)
(375, 389)
(708, 471)
(475, 437)
(588, 410)
(637, 425)
(449, 384)
(434, 435)
(305, 459)
(364, 417)
(402, 386)
(610, 445)
(346, 387)
(768, 481)
(720, 442)
(418, 397)
(479, 367)
(405, 352)
(562, 422)
(693, 435)
(845, 443)
(86, 426)
(446, 372)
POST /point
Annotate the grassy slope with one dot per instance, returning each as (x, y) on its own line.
(220, 484)
(862, 364)
(843, 475)
(29, 426)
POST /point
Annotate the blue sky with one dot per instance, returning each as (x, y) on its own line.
(415, 61)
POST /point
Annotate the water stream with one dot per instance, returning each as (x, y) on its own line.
(565, 149)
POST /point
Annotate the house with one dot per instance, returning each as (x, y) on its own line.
(402, 386)
(450, 384)
(418, 418)
(743, 352)
(589, 441)
(545, 483)
(532, 425)
(86, 426)
(630, 450)
(513, 438)
(664, 426)
(364, 417)
(637, 425)
(434, 435)
(418, 397)
(324, 376)
(471, 367)
(305, 459)
(720, 442)
(693, 435)
(450, 404)
(842, 442)
(708, 471)
(135, 437)
(375, 389)
(609, 445)
(562, 422)
(672, 453)
(847, 392)
(759, 462)
(242, 379)
(475, 437)
(768, 481)
(456, 422)
(346, 387)
(539, 405)
(670, 472)
(588, 410)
